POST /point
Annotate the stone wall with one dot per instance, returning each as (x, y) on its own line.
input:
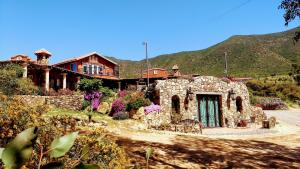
(73, 102)
(204, 85)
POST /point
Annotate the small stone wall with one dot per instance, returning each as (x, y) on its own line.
(73, 102)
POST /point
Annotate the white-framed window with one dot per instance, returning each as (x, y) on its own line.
(155, 72)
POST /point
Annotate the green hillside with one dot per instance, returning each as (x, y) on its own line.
(249, 55)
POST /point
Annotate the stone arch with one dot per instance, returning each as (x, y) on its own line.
(239, 104)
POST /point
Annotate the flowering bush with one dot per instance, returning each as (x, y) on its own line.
(122, 93)
(117, 106)
(136, 100)
(94, 98)
(152, 108)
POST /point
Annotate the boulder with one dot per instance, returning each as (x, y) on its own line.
(140, 113)
(103, 108)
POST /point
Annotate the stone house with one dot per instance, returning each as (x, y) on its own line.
(213, 101)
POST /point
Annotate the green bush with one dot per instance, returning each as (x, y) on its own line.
(9, 78)
(26, 87)
(284, 90)
(107, 93)
(136, 100)
(104, 152)
(85, 104)
(89, 85)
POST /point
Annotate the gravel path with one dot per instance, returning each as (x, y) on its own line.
(288, 116)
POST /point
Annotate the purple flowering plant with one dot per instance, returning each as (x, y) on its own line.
(94, 97)
(118, 106)
(152, 108)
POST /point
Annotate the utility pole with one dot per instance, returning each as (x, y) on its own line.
(147, 63)
(226, 66)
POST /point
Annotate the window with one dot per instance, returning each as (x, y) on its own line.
(85, 69)
(155, 72)
(73, 67)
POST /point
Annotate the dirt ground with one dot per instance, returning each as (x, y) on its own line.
(216, 148)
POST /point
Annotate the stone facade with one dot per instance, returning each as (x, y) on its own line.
(73, 102)
(204, 85)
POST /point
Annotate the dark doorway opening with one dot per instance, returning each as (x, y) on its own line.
(175, 104)
(239, 104)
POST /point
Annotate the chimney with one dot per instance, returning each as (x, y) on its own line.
(176, 72)
(42, 56)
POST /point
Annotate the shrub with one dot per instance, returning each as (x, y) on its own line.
(16, 116)
(9, 78)
(121, 115)
(89, 85)
(26, 87)
(65, 92)
(122, 93)
(107, 93)
(105, 153)
(117, 106)
(85, 104)
(136, 100)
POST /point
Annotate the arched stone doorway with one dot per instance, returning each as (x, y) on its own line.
(239, 104)
(176, 116)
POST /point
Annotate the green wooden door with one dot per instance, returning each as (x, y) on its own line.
(203, 112)
(209, 112)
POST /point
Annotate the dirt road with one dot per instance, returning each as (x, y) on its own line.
(288, 116)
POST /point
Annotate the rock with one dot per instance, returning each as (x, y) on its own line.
(103, 108)
(140, 113)
(272, 122)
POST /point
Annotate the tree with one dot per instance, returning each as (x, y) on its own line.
(12, 83)
(292, 12)
(9, 75)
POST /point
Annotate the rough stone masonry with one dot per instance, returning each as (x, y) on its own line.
(206, 85)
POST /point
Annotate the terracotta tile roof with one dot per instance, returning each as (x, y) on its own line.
(84, 56)
(22, 57)
(42, 51)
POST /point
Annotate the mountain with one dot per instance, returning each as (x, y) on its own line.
(248, 55)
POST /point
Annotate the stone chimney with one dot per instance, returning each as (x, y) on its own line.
(176, 72)
(42, 56)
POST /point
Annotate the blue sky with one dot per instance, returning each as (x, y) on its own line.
(69, 28)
